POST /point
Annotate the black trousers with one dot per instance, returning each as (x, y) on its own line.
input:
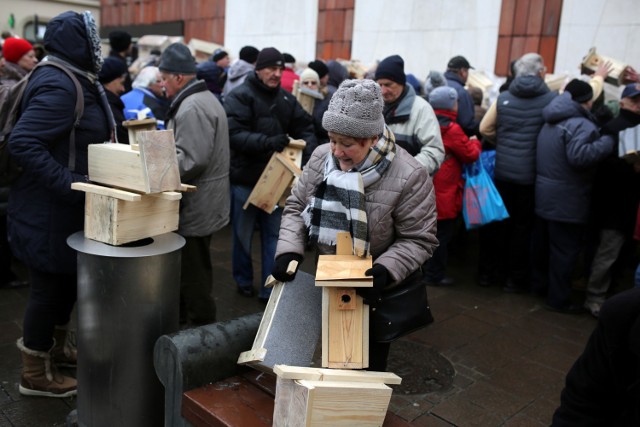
(436, 267)
(196, 283)
(51, 301)
(557, 246)
(515, 254)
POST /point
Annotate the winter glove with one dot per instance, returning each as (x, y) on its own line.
(381, 279)
(278, 142)
(281, 265)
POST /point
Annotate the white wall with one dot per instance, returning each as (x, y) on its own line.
(612, 26)
(427, 33)
(287, 25)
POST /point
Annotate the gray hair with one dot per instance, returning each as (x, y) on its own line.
(145, 77)
(529, 64)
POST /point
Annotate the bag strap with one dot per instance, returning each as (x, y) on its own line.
(78, 112)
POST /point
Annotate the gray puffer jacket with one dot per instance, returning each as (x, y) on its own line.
(401, 213)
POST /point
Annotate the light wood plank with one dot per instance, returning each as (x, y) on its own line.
(106, 191)
(117, 165)
(167, 195)
(188, 188)
(345, 333)
(159, 158)
(273, 182)
(322, 374)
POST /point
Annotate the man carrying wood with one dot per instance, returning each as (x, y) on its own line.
(202, 142)
(262, 118)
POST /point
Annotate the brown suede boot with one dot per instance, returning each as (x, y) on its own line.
(40, 377)
(64, 352)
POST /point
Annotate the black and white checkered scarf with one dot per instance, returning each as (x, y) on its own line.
(339, 201)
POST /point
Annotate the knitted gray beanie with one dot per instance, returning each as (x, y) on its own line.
(355, 110)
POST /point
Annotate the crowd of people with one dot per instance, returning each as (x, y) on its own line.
(383, 161)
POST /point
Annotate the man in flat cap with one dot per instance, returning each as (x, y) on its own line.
(457, 74)
(262, 118)
(202, 142)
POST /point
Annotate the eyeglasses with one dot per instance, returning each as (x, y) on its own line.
(310, 83)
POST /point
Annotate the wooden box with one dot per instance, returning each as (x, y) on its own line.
(331, 397)
(592, 60)
(275, 180)
(149, 167)
(345, 319)
(117, 217)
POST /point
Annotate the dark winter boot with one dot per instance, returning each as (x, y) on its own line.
(40, 377)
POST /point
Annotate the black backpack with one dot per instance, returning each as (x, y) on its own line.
(10, 102)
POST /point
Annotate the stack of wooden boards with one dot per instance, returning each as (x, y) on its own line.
(135, 188)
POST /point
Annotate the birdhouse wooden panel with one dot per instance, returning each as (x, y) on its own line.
(151, 167)
(117, 217)
(345, 319)
(275, 180)
(592, 61)
(331, 397)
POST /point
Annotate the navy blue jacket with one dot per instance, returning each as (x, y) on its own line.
(519, 120)
(256, 112)
(569, 148)
(43, 210)
(466, 111)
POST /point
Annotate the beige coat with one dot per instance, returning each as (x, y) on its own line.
(401, 213)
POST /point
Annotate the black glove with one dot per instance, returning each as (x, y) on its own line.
(278, 142)
(279, 271)
(381, 279)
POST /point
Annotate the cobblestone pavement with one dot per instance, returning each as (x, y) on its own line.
(490, 358)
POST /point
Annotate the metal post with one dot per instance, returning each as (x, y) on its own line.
(128, 296)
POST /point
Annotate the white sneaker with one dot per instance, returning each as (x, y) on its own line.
(593, 308)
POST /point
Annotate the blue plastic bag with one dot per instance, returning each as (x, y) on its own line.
(481, 202)
(488, 158)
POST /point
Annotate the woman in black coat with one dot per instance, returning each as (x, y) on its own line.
(43, 209)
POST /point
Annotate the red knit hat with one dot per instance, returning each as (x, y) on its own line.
(13, 49)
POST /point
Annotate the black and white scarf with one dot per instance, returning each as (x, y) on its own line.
(339, 201)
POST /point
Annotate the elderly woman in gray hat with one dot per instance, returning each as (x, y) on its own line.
(363, 183)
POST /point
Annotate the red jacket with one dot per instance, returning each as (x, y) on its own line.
(288, 77)
(458, 150)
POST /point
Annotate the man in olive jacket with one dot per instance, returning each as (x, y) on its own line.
(262, 118)
(202, 143)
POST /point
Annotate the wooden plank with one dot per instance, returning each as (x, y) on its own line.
(345, 333)
(344, 245)
(322, 374)
(290, 408)
(252, 356)
(326, 294)
(342, 267)
(159, 158)
(106, 191)
(117, 165)
(187, 188)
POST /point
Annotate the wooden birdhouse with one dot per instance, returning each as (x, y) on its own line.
(146, 199)
(345, 319)
(331, 397)
(277, 178)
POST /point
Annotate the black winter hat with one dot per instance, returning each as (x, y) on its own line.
(319, 67)
(218, 55)
(288, 58)
(392, 68)
(112, 68)
(579, 90)
(269, 57)
(119, 40)
(177, 59)
(249, 54)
